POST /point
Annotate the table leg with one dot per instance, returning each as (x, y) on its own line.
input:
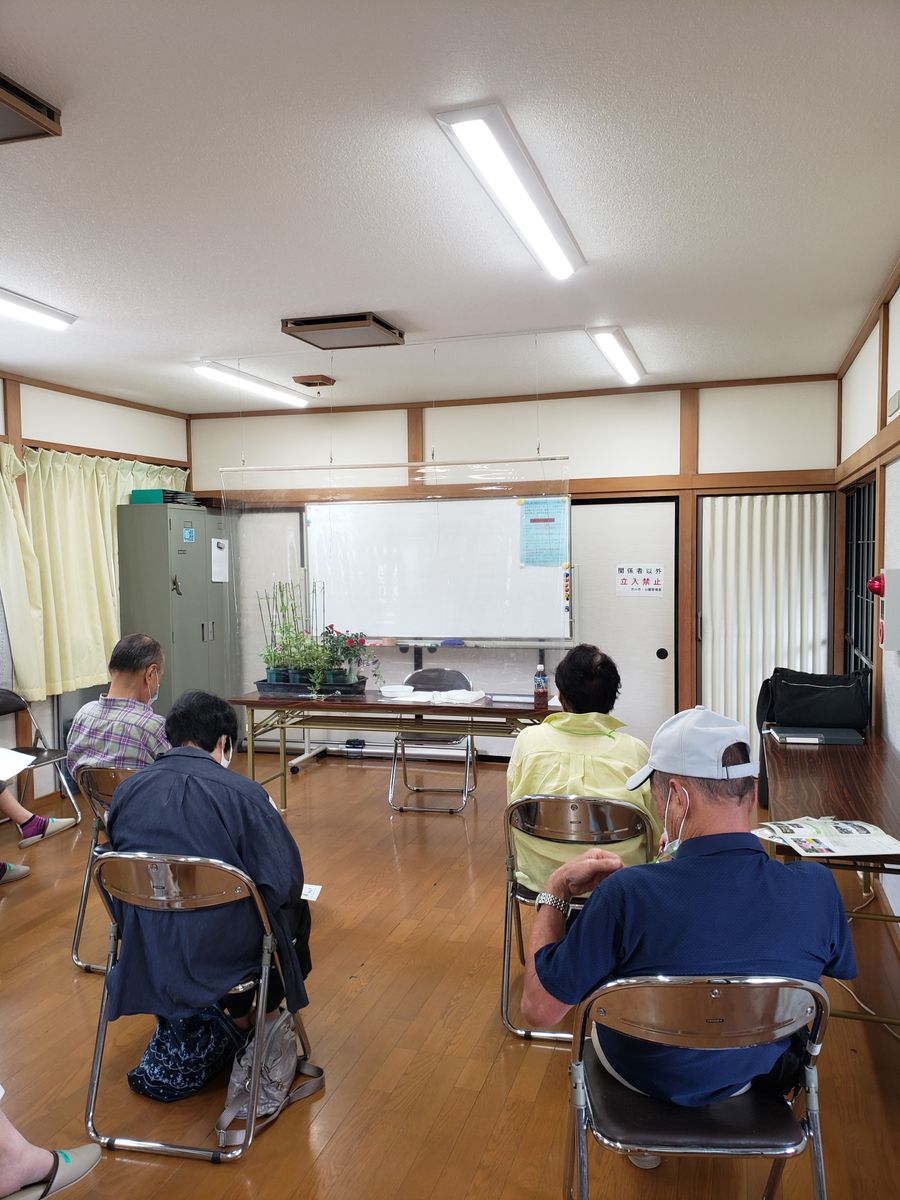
(251, 756)
(282, 761)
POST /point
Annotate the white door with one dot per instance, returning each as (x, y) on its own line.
(632, 621)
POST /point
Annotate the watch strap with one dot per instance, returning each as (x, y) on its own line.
(552, 901)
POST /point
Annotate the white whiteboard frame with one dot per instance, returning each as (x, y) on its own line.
(357, 617)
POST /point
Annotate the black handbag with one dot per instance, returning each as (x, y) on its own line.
(815, 701)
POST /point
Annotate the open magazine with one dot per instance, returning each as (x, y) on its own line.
(826, 837)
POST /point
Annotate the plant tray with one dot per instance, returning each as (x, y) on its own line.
(297, 691)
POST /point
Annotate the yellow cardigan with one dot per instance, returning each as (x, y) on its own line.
(581, 754)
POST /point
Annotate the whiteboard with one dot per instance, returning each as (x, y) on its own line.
(438, 569)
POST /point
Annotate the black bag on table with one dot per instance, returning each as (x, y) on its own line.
(814, 701)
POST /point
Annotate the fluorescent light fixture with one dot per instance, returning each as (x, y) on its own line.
(249, 383)
(487, 140)
(618, 352)
(32, 311)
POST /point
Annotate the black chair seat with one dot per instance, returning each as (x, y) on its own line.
(757, 1122)
(42, 757)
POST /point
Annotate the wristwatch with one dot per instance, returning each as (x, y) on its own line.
(552, 901)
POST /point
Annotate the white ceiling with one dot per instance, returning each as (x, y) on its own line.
(731, 172)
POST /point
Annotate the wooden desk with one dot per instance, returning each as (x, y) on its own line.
(372, 712)
(859, 783)
(852, 782)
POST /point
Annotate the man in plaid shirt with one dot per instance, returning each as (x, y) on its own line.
(121, 729)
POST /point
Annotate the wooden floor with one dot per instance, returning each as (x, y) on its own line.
(426, 1096)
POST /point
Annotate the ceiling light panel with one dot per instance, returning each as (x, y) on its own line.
(487, 140)
(22, 308)
(618, 352)
(250, 384)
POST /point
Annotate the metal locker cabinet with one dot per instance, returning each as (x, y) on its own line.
(164, 568)
(217, 605)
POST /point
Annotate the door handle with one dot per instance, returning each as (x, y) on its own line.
(202, 631)
(176, 586)
(212, 631)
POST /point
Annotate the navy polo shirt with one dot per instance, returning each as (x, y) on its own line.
(721, 906)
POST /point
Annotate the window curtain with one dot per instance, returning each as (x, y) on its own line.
(20, 584)
(72, 501)
(765, 595)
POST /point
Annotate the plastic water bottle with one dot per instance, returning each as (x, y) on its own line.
(540, 686)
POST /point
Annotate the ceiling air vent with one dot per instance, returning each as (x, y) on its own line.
(344, 332)
(24, 116)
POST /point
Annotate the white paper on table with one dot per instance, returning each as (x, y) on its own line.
(311, 891)
(12, 762)
(219, 560)
(826, 837)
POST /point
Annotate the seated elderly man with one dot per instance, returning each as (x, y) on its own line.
(719, 906)
(188, 802)
(580, 751)
(121, 729)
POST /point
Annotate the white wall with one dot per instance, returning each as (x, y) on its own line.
(893, 379)
(859, 398)
(603, 436)
(77, 421)
(301, 441)
(774, 427)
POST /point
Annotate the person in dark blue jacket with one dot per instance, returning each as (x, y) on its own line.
(188, 802)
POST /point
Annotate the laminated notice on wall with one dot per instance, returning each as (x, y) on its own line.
(543, 532)
(219, 560)
(639, 579)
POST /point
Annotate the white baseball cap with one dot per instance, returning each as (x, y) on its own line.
(692, 743)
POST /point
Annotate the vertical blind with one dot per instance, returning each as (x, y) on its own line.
(765, 595)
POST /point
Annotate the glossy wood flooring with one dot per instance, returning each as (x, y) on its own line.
(426, 1097)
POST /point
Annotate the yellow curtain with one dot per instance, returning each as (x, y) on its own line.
(20, 584)
(72, 501)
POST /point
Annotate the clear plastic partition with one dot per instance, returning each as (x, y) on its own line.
(348, 579)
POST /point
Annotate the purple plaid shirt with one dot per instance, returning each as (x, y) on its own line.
(115, 733)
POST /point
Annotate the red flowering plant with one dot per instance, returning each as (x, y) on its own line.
(348, 649)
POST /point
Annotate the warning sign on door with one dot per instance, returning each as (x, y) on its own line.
(639, 579)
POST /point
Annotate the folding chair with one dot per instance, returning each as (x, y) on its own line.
(41, 751)
(434, 679)
(582, 821)
(704, 1013)
(98, 785)
(176, 884)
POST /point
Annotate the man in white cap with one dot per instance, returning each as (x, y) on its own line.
(717, 905)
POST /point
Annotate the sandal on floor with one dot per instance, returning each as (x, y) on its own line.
(68, 1167)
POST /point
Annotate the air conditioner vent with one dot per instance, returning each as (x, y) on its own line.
(343, 332)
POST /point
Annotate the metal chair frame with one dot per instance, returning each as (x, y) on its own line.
(179, 883)
(401, 739)
(11, 702)
(98, 785)
(611, 821)
(705, 1013)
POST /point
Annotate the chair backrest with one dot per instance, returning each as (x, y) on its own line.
(439, 679)
(172, 882)
(99, 783)
(11, 702)
(585, 820)
(705, 1012)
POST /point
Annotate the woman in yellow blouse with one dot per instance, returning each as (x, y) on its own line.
(581, 751)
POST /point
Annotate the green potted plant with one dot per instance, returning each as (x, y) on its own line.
(346, 653)
(280, 613)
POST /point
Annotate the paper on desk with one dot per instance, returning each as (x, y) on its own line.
(12, 762)
(826, 837)
(311, 891)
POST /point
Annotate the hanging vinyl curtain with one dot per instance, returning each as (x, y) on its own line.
(765, 595)
(72, 501)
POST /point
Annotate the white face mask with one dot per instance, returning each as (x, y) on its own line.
(226, 758)
(670, 848)
(154, 696)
